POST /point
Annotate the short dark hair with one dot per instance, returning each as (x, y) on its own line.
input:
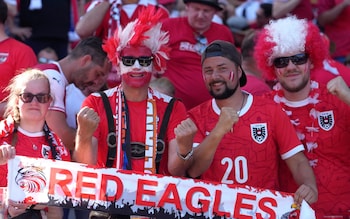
(90, 46)
(228, 50)
(248, 44)
(3, 11)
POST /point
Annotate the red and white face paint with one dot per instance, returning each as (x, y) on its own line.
(232, 76)
(136, 75)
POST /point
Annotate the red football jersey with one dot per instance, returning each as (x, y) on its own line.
(322, 123)
(249, 155)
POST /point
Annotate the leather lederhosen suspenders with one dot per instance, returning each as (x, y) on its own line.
(111, 137)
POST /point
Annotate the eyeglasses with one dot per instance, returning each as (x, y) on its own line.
(144, 61)
(283, 62)
(28, 97)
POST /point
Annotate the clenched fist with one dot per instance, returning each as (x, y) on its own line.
(88, 121)
(185, 133)
(228, 117)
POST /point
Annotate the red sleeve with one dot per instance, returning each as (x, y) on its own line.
(178, 114)
(25, 58)
(102, 29)
(324, 5)
(96, 103)
(162, 9)
(287, 139)
(200, 113)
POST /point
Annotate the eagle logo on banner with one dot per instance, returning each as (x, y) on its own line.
(31, 179)
(326, 120)
(259, 132)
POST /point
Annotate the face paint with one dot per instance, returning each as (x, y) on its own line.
(134, 68)
(232, 76)
(279, 71)
(137, 79)
(136, 75)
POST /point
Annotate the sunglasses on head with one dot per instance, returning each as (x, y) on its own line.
(297, 59)
(202, 40)
(144, 61)
(44, 60)
(201, 44)
(28, 97)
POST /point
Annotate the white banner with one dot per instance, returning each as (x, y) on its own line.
(70, 184)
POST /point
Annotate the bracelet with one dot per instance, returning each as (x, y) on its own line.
(187, 156)
(31, 207)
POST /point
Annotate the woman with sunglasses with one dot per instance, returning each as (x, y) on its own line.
(289, 50)
(25, 132)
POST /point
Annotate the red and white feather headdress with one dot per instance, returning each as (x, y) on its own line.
(144, 31)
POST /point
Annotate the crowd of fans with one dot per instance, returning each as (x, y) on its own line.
(231, 66)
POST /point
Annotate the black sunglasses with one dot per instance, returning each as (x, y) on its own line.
(283, 62)
(144, 61)
(28, 97)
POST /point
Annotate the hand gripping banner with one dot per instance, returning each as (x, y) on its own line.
(75, 185)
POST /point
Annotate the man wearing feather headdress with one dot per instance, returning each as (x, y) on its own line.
(138, 51)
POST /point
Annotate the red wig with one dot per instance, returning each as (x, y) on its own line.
(288, 35)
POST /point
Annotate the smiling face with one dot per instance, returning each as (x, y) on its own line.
(293, 77)
(221, 76)
(136, 66)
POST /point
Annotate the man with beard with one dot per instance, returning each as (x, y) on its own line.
(241, 137)
(189, 35)
(137, 111)
(288, 50)
(85, 66)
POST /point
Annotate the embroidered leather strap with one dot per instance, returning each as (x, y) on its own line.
(111, 137)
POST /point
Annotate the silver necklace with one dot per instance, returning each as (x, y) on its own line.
(239, 111)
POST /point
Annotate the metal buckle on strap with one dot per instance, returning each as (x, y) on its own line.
(112, 140)
(137, 150)
(160, 146)
(160, 149)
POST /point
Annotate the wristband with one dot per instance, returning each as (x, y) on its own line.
(187, 156)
